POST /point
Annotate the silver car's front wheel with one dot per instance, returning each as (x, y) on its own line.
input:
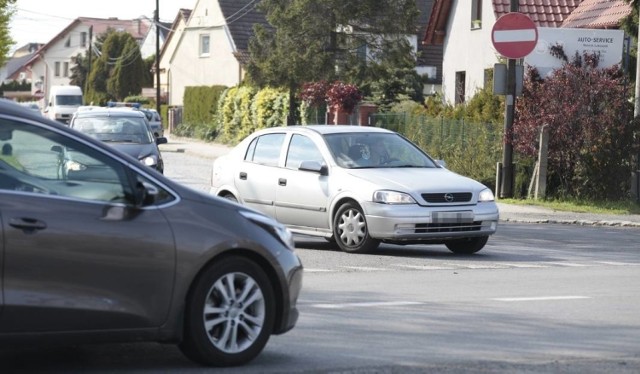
(230, 314)
(350, 230)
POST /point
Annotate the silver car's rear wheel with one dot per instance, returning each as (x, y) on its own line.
(230, 314)
(350, 230)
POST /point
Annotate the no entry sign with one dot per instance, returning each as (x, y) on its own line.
(514, 35)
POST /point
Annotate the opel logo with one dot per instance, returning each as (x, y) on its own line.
(448, 197)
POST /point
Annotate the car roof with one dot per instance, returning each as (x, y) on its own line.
(329, 129)
(11, 107)
(109, 112)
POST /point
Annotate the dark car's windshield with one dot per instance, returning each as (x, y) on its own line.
(375, 150)
(115, 129)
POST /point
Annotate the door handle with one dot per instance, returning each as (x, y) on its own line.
(27, 224)
(243, 175)
(282, 181)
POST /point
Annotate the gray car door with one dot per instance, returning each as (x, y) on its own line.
(77, 255)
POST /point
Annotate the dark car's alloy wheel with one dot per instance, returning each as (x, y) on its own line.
(350, 230)
(230, 314)
(467, 246)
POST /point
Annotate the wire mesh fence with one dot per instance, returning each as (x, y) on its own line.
(468, 148)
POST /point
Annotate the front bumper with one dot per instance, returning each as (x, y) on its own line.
(414, 223)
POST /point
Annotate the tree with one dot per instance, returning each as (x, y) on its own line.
(80, 70)
(314, 40)
(7, 9)
(118, 71)
(590, 123)
(128, 74)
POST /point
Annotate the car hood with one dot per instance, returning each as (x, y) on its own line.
(417, 179)
(136, 150)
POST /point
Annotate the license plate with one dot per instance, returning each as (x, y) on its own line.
(453, 217)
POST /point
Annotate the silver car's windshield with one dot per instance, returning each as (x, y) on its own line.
(376, 150)
(115, 129)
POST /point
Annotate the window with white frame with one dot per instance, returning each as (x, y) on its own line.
(204, 45)
(476, 14)
(56, 69)
(83, 39)
(65, 69)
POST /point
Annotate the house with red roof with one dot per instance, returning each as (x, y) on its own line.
(51, 64)
(463, 28)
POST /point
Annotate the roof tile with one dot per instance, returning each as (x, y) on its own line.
(544, 13)
(598, 14)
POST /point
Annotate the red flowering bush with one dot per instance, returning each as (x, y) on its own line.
(314, 93)
(342, 96)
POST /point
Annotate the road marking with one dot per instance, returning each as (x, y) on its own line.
(483, 266)
(424, 267)
(541, 298)
(364, 268)
(370, 304)
(525, 265)
(616, 263)
(311, 270)
(568, 264)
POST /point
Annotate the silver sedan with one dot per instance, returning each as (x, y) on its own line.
(356, 186)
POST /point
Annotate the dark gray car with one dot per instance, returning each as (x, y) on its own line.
(118, 252)
(125, 129)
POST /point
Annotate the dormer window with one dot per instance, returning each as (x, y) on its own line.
(476, 14)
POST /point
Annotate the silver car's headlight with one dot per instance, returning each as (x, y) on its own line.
(278, 230)
(392, 197)
(149, 160)
(486, 195)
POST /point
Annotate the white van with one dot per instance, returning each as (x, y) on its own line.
(63, 102)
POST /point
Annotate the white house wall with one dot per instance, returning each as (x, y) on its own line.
(467, 50)
(148, 46)
(43, 70)
(189, 68)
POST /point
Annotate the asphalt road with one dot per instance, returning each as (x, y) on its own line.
(539, 298)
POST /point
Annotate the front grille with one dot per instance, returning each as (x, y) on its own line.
(447, 197)
(423, 228)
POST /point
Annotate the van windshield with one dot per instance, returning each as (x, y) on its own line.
(68, 100)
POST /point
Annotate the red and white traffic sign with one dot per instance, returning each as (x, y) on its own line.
(514, 35)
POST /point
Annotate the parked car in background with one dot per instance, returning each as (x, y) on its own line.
(32, 106)
(124, 129)
(118, 252)
(356, 186)
(155, 121)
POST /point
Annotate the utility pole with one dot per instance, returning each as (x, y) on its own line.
(156, 21)
(90, 53)
(506, 188)
(636, 108)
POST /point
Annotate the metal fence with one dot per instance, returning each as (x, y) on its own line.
(468, 148)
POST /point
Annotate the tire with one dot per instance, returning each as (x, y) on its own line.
(220, 330)
(230, 197)
(467, 246)
(350, 230)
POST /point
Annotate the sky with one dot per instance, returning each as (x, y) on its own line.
(38, 21)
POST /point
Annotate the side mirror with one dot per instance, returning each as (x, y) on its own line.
(145, 194)
(57, 149)
(161, 140)
(314, 166)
